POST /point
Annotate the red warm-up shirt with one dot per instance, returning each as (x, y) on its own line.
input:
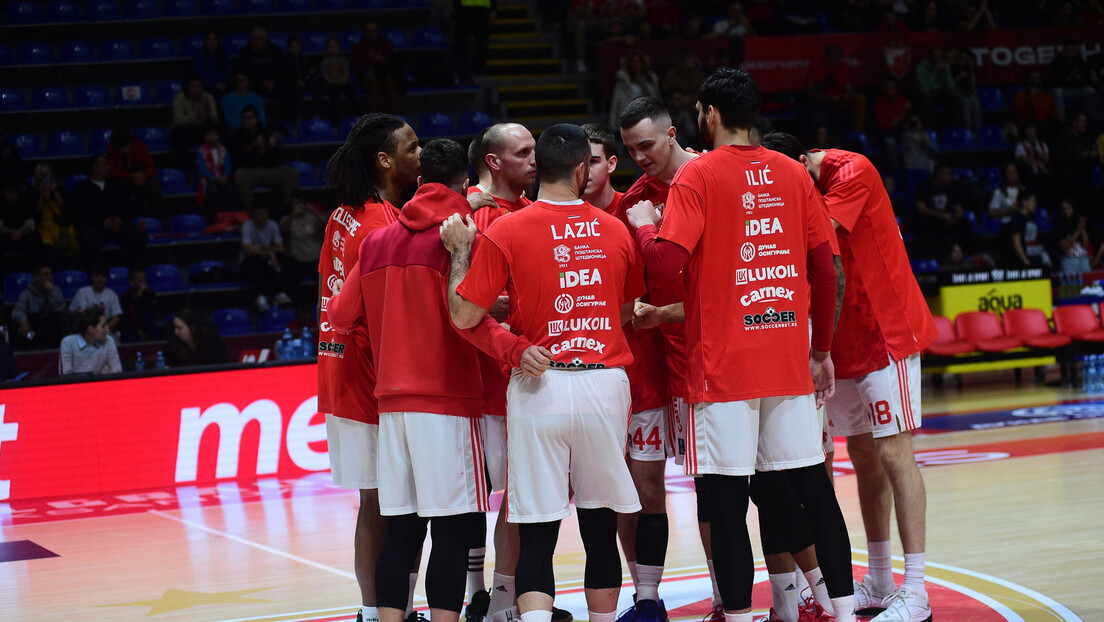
(346, 376)
(398, 290)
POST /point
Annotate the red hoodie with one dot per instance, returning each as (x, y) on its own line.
(423, 363)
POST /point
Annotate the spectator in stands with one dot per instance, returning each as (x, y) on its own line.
(1073, 156)
(1035, 105)
(1002, 203)
(258, 156)
(100, 213)
(195, 340)
(97, 294)
(129, 161)
(375, 65)
(262, 258)
(213, 166)
(1033, 157)
(928, 19)
(334, 82)
(17, 220)
(935, 86)
(212, 64)
(976, 16)
(303, 229)
(55, 229)
(193, 110)
(139, 309)
(260, 59)
(917, 151)
(956, 260)
(891, 24)
(694, 28)
(1023, 247)
(234, 102)
(91, 350)
(941, 215)
(1071, 239)
(890, 111)
(823, 139)
(39, 316)
(965, 81)
(836, 80)
(1071, 79)
(1064, 17)
(298, 73)
(634, 79)
(734, 24)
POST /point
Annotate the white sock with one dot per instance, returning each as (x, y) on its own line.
(738, 617)
(598, 617)
(820, 590)
(537, 615)
(502, 594)
(844, 607)
(881, 569)
(410, 596)
(783, 587)
(801, 582)
(475, 571)
(914, 570)
(648, 587)
(632, 573)
(369, 614)
(716, 588)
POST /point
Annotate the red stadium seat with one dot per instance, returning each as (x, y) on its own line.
(1079, 322)
(946, 344)
(983, 330)
(1032, 326)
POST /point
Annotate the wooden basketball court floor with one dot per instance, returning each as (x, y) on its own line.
(1015, 482)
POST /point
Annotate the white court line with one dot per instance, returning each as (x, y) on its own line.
(257, 545)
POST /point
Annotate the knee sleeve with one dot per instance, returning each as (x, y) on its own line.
(833, 545)
(401, 543)
(534, 566)
(477, 530)
(732, 557)
(783, 523)
(446, 574)
(702, 498)
(598, 530)
(652, 532)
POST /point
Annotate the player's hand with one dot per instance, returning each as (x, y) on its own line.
(500, 309)
(824, 376)
(642, 214)
(535, 360)
(457, 233)
(478, 200)
(646, 316)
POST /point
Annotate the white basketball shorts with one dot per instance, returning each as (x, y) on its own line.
(494, 450)
(353, 446)
(885, 402)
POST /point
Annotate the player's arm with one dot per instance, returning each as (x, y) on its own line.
(823, 285)
(457, 235)
(515, 350)
(345, 308)
(841, 283)
(663, 258)
(649, 316)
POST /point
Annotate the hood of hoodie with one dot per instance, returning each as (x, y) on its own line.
(431, 205)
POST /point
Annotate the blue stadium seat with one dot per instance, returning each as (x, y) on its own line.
(219, 7)
(429, 38)
(36, 53)
(156, 139)
(955, 138)
(69, 281)
(14, 284)
(181, 8)
(316, 131)
(347, 126)
(256, 6)
(99, 140)
(142, 9)
(279, 39)
(333, 5)
(397, 36)
(473, 122)
(63, 11)
(91, 96)
(348, 38)
(117, 50)
(1042, 220)
(232, 321)
(275, 320)
(158, 47)
(167, 90)
(62, 144)
(118, 279)
(151, 226)
(173, 181)
(103, 10)
(856, 141)
(205, 274)
(24, 13)
(191, 44)
(295, 6)
(234, 42)
(77, 52)
(436, 124)
(306, 173)
(12, 99)
(187, 226)
(134, 95)
(313, 42)
(7, 56)
(72, 180)
(991, 137)
(991, 174)
(164, 277)
(49, 97)
(27, 144)
(991, 98)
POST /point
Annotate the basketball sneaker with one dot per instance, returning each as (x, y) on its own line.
(869, 599)
(476, 610)
(717, 614)
(811, 611)
(561, 615)
(649, 611)
(627, 615)
(907, 604)
(772, 617)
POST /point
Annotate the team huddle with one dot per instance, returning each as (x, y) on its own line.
(734, 309)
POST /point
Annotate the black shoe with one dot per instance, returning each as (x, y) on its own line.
(477, 607)
(561, 615)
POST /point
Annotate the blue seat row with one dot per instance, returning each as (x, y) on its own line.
(64, 11)
(66, 143)
(88, 96)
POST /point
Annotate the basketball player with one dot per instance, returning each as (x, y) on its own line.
(368, 173)
(566, 425)
(477, 159)
(883, 327)
(599, 191)
(754, 402)
(426, 400)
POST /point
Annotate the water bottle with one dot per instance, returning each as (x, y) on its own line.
(139, 364)
(309, 346)
(1085, 374)
(1098, 374)
(160, 360)
(295, 347)
(282, 346)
